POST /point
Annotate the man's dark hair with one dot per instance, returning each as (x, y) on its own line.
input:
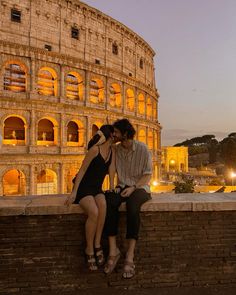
(125, 127)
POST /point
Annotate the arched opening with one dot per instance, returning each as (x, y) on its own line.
(155, 110)
(130, 100)
(47, 82)
(115, 95)
(74, 86)
(155, 141)
(14, 131)
(14, 78)
(141, 104)
(69, 179)
(96, 91)
(149, 108)
(14, 183)
(150, 139)
(172, 165)
(182, 167)
(75, 134)
(46, 182)
(45, 132)
(142, 136)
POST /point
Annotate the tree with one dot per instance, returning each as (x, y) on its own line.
(184, 186)
(228, 151)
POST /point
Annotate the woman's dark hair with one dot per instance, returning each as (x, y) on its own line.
(107, 130)
(125, 127)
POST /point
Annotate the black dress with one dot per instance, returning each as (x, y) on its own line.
(91, 183)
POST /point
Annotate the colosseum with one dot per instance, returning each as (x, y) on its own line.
(67, 68)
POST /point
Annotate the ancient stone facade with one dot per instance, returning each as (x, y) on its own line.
(67, 68)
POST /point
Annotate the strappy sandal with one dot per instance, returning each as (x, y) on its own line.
(128, 270)
(99, 255)
(91, 262)
(111, 263)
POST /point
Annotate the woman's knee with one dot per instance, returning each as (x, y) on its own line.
(93, 213)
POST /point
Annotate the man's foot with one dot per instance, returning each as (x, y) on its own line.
(111, 263)
(128, 270)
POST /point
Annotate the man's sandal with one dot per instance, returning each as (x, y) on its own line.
(99, 255)
(91, 262)
(111, 263)
(128, 270)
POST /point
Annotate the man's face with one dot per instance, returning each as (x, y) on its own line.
(117, 135)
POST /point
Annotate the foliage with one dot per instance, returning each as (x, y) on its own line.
(184, 186)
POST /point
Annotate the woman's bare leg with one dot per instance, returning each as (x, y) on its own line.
(101, 205)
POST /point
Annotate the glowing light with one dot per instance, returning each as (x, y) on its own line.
(154, 183)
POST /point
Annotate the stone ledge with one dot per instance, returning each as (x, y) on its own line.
(54, 204)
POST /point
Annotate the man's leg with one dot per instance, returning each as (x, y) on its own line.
(133, 205)
(111, 230)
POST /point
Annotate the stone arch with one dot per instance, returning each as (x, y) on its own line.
(150, 139)
(149, 108)
(14, 130)
(75, 133)
(142, 136)
(47, 81)
(14, 182)
(74, 86)
(96, 94)
(15, 76)
(130, 99)
(46, 182)
(47, 131)
(115, 95)
(141, 104)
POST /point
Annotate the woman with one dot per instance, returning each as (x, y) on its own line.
(87, 191)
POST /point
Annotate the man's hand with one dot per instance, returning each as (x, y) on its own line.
(127, 191)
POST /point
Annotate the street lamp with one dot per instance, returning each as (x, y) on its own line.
(233, 175)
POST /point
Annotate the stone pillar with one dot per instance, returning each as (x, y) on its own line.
(63, 139)
(123, 97)
(62, 82)
(33, 129)
(87, 87)
(33, 77)
(106, 91)
(32, 183)
(61, 186)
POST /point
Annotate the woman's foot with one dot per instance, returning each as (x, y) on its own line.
(99, 255)
(91, 262)
(111, 263)
(128, 270)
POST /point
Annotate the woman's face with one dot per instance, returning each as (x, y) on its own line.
(117, 136)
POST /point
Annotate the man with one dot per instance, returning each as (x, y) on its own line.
(134, 170)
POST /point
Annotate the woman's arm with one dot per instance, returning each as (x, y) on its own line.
(91, 154)
(112, 169)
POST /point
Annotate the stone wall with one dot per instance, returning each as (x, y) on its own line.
(185, 240)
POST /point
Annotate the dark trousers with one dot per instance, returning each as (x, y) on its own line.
(133, 205)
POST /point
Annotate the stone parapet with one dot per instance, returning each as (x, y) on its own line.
(54, 204)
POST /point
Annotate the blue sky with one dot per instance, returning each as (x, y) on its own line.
(195, 44)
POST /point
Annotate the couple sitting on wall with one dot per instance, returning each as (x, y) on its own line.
(131, 160)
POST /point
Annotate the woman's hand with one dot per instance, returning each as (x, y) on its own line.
(70, 199)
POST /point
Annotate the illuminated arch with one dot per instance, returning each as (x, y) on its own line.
(14, 132)
(142, 136)
(141, 104)
(75, 133)
(96, 91)
(150, 139)
(155, 141)
(14, 77)
(14, 183)
(47, 132)
(74, 86)
(149, 108)
(154, 110)
(47, 82)
(46, 182)
(130, 100)
(115, 95)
